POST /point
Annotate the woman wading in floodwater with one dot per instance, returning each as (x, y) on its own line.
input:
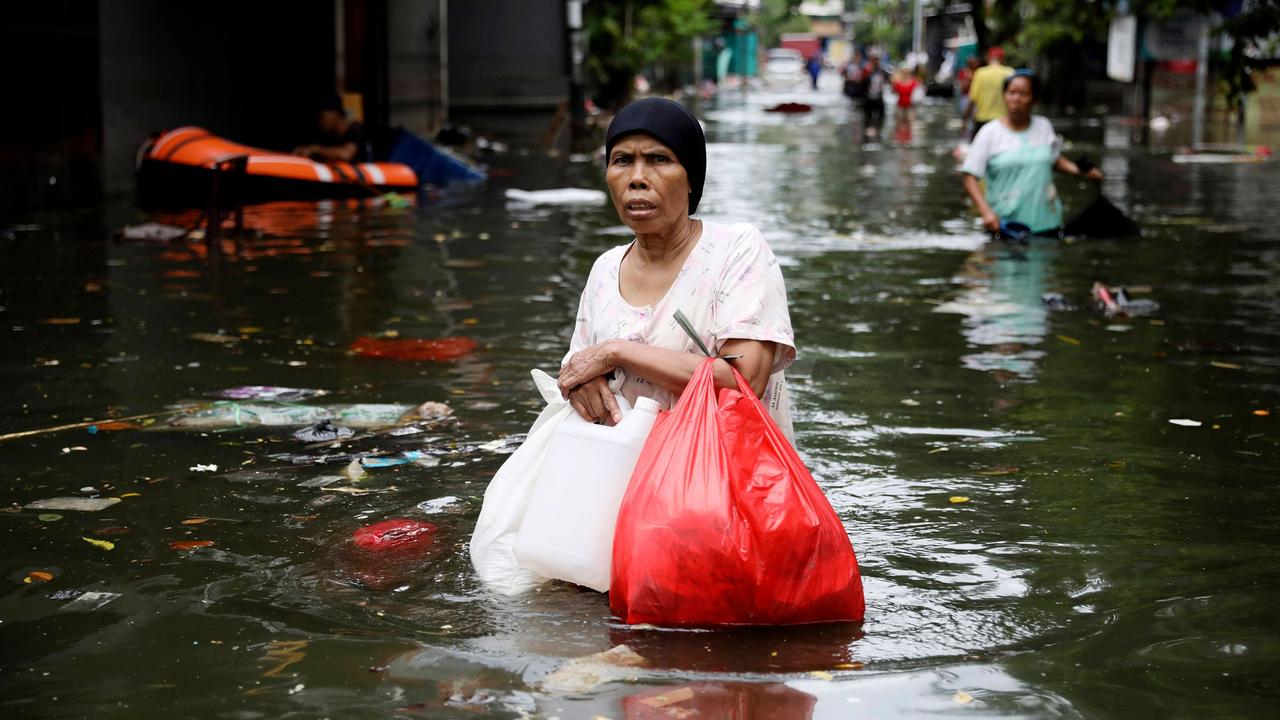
(1017, 155)
(724, 277)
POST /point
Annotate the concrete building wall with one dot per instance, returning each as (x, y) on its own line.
(416, 47)
(90, 81)
(51, 139)
(251, 71)
(507, 54)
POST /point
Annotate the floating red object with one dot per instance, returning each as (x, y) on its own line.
(394, 534)
(448, 348)
(790, 107)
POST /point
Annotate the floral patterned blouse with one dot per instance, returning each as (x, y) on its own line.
(730, 288)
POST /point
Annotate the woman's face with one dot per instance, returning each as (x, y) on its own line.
(650, 188)
(1017, 97)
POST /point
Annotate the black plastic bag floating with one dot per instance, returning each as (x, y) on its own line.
(1100, 219)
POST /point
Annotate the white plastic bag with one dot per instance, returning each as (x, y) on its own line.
(507, 499)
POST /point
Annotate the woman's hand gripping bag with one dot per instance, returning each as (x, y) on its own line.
(507, 498)
(722, 524)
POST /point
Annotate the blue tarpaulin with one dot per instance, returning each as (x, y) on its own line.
(433, 165)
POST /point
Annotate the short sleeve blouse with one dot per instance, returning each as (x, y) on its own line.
(730, 287)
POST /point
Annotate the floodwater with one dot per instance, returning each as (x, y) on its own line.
(1109, 562)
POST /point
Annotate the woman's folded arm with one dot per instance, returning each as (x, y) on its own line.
(670, 369)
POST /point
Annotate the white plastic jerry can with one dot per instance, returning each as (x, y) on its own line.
(567, 531)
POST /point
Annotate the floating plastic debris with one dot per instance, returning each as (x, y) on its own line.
(584, 674)
(323, 431)
(355, 470)
(245, 414)
(438, 505)
(153, 232)
(321, 481)
(404, 458)
(431, 409)
(90, 601)
(394, 534)
(560, 196)
(73, 503)
(269, 392)
(1115, 302)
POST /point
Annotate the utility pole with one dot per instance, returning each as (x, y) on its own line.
(577, 56)
(1202, 80)
(917, 31)
(443, 33)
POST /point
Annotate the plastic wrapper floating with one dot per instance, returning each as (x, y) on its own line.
(557, 196)
(80, 504)
(245, 414)
(269, 392)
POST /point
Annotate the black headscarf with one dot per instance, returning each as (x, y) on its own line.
(675, 127)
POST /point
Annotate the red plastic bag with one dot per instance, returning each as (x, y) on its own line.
(394, 534)
(722, 524)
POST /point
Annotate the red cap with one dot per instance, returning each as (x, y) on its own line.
(996, 52)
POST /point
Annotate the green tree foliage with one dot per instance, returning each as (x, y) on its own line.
(885, 24)
(1051, 35)
(776, 17)
(1254, 36)
(625, 37)
(1052, 32)
(1041, 27)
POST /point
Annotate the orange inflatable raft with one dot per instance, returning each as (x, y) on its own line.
(178, 166)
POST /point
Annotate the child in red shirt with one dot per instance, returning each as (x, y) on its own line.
(904, 84)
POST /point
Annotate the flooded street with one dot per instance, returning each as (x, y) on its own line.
(1115, 558)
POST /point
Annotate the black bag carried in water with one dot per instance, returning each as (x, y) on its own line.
(1100, 219)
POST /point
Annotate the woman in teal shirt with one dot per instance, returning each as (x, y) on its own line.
(1017, 155)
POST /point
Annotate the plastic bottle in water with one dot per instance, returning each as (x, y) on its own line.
(567, 531)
